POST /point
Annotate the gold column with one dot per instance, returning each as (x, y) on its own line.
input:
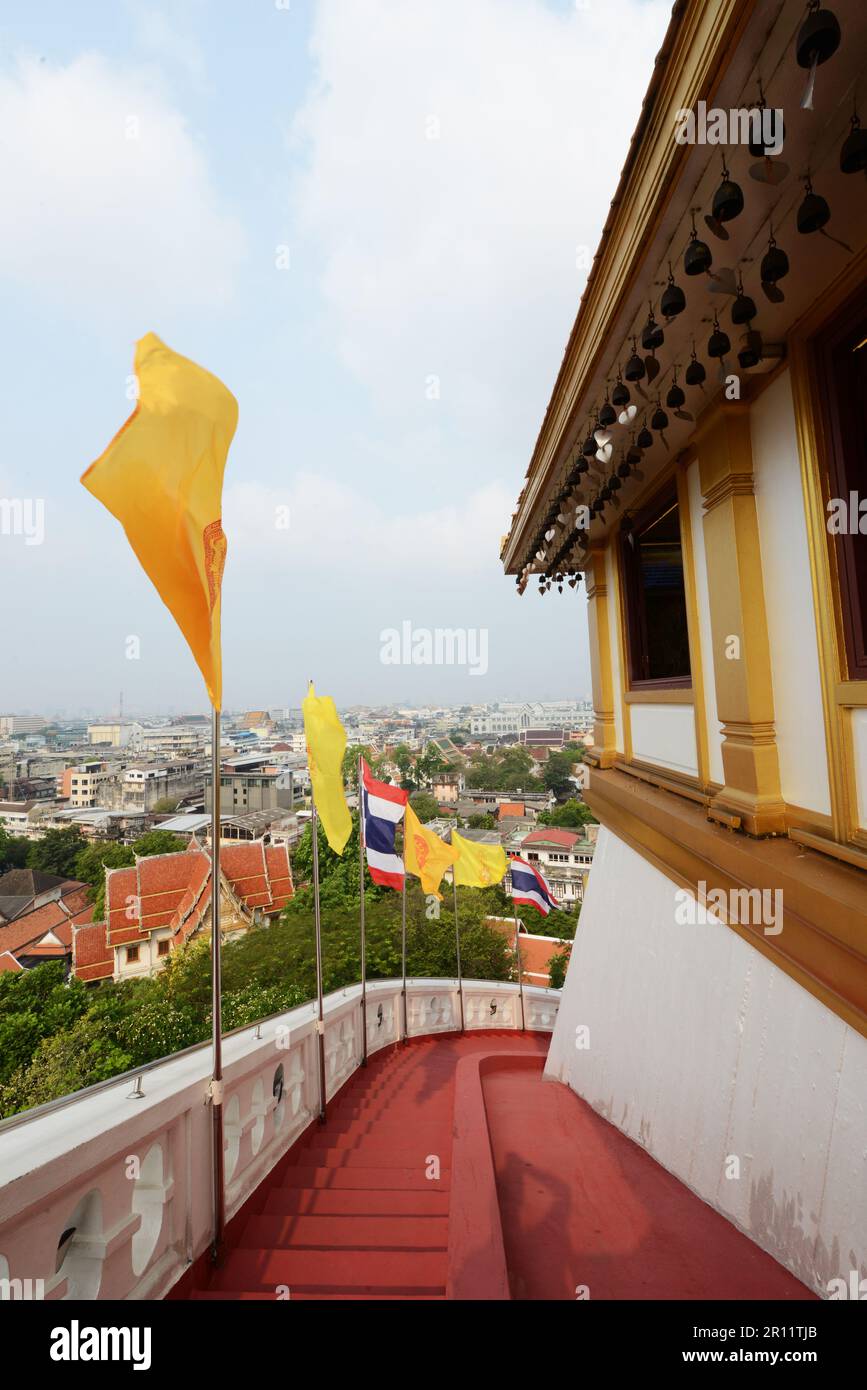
(742, 662)
(604, 747)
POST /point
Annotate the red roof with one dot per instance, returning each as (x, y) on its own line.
(174, 891)
(536, 951)
(24, 935)
(510, 808)
(550, 835)
(8, 962)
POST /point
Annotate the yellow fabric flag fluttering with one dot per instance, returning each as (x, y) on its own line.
(425, 854)
(326, 744)
(162, 477)
(478, 866)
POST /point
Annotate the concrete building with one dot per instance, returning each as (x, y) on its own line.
(15, 725)
(122, 734)
(255, 790)
(564, 858)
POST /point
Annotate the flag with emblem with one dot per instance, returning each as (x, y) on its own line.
(424, 854)
(478, 866)
(162, 478)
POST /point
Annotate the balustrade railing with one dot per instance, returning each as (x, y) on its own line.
(107, 1194)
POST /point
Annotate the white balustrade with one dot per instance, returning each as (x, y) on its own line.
(108, 1194)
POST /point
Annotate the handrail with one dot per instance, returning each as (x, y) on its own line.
(60, 1102)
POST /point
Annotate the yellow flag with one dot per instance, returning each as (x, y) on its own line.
(478, 866)
(326, 744)
(425, 854)
(162, 477)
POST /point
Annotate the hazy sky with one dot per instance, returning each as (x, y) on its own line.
(365, 216)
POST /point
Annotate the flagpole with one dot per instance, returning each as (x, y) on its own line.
(361, 849)
(458, 947)
(518, 956)
(320, 1024)
(403, 945)
(216, 1002)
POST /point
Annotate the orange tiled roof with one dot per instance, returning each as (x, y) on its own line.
(552, 836)
(536, 951)
(92, 958)
(8, 962)
(27, 931)
(510, 808)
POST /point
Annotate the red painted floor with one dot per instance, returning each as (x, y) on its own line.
(354, 1213)
(582, 1205)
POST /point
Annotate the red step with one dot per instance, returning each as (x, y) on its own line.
(401, 1179)
(353, 1271)
(329, 1201)
(345, 1233)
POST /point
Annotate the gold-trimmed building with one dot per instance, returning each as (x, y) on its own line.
(721, 963)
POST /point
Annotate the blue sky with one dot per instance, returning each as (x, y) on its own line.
(366, 217)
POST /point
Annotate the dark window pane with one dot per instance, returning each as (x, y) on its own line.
(655, 596)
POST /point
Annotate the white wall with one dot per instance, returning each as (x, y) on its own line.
(665, 736)
(789, 600)
(701, 1048)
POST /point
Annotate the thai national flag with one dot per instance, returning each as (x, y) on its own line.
(382, 808)
(528, 886)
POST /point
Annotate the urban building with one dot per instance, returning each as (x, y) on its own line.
(16, 725)
(564, 858)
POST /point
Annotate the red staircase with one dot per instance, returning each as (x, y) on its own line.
(357, 1213)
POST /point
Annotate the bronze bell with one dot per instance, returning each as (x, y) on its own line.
(728, 203)
(853, 156)
(645, 438)
(589, 447)
(659, 420)
(813, 212)
(757, 149)
(614, 484)
(623, 469)
(697, 257)
(743, 309)
(719, 342)
(774, 267)
(620, 395)
(695, 373)
(818, 40)
(633, 454)
(652, 336)
(607, 415)
(676, 397)
(751, 352)
(673, 301)
(634, 369)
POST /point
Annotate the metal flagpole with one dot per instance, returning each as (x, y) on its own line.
(518, 959)
(458, 947)
(320, 1023)
(361, 849)
(216, 1006)
(403, 946)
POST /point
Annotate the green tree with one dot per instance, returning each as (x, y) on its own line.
(158, 842)
(350, 763)
(557, 967)
(13, 851)
(571, 815)
(425, 806)
(92, 862)
(57, 851)
(430, 764)
(165, 804)
(485, 822)
(557, 775)
(405, 762)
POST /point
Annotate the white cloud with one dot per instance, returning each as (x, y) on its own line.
(108, 194)
(330, 523)
(456, 256)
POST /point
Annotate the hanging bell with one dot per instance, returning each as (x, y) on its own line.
(697, 257)
(695, 373)
(676, 397)
(634, 369)
(813, 212)
(728, 203)
(652, 336)
(659, 420)
(774, 267)
(853, 156)
(623, 469)
(751, 353)
(758, 149)
(645, 438)
(743, 309)
(588, 449)
(620, 395)
(673, 301)
(607, 415)
(818, 40)
(719, 342)
(614, 484)
(633, 455)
